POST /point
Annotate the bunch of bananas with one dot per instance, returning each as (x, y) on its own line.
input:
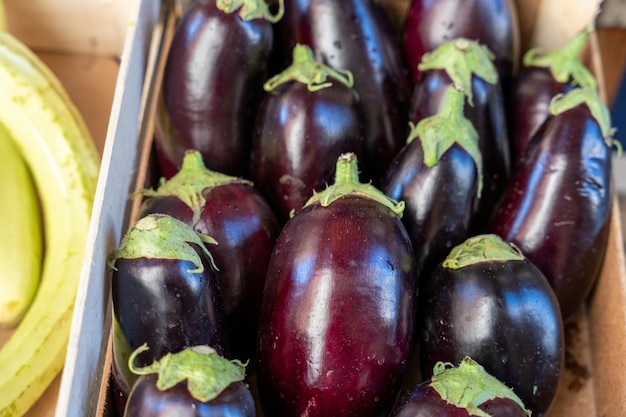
(48, 176)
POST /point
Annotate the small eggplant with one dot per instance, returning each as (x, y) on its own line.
(164, 293)
(542, 77)
(487, 301)
(309, 117)
(338, 309)
(494, 23)
(212, 84)
(234, 213)
(357, 36)
(557, 206)
(214, 386)
(439, 177)
(463, 391)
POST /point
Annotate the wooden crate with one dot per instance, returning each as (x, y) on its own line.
(593, 385)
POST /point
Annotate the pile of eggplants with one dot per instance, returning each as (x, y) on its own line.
(345, 208)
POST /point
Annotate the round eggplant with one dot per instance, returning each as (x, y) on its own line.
(237, 216)
(195, 382)
(557, 206)
(308, 118)
(164, 293)
(487, 301)
(463, 391)
(438, 176)
(357, 36)
(337, 319)
(212, 84)
(494, 23)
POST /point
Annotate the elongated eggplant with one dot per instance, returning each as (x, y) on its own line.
(195, 382)
(235, 214)
(338, 307)
(463, 391)
(469, 65)
(487, 301)
(164, 294)
(557, 206)
(357, 36)
(438, 175)
(494, 23)
(309, 116)
(541, 78)
(212, 84)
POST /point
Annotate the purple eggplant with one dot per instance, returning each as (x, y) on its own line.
(438, 175)
(309, 116)
(487, 301)
(212, 84)
(236, 215)
(542, 77)
(463, 391)
(164, 293)
(557, 206)
(357, 36)
(469, 65)
(196, 382)
(494, 23)
(337, 319)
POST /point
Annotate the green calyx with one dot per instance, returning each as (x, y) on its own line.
(252, 9)
(462, 58)
(347, 183)
(469, 385)
(307, 70)
(207, 373)
(159, 236)
(589, 97)
(439, 132)
(564, 63)
(190, 183)
(481, 248)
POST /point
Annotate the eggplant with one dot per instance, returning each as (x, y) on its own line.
(463, 391)
(196, 382)
(486, 300)
(309, 116)
(494, 23)
(557, 207)
(338, 311)
(164, 293)
(233, 212)
(438, 175)
(357, 36)
(469, 65)
(541, 78)
(211, 90)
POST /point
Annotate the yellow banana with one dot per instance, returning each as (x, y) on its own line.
(3, 19)
(54, 140)
(21, 241)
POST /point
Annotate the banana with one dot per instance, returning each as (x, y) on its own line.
(56, 144)
(3, 19)
(21, 243)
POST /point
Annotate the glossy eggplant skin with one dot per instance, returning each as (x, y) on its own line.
(557, 206)
(161, 303)
(338, 312)
(357, 35)
(211, 90)
(245, 227)
(493, 23)
(298, 137)
(438, 200)
(505, 316)
(528, 105)
(424, 401)
(488, 115)
(146, 400)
